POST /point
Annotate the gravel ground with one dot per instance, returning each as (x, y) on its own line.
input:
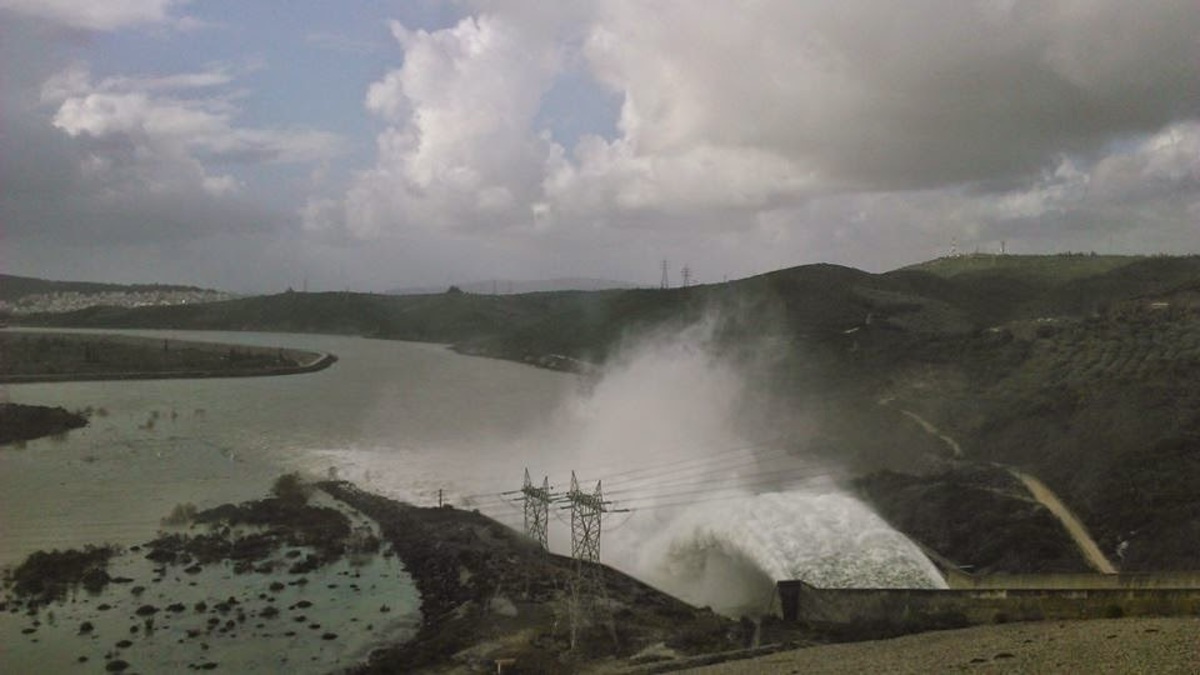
(1167, 645)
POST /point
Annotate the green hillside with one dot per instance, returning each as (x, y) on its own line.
(1084, 370)
(1051, 269)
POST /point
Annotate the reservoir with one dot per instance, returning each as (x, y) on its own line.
(404, 419)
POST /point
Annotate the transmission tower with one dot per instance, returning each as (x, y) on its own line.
(587, 514)
(537, 509)
(666, 277)
(686, 272)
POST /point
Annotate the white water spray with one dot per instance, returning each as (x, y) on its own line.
(721, 512)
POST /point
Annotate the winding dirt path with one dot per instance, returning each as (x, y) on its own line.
(1083, 539)
(1044, 495)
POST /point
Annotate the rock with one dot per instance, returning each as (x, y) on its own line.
(503, 606)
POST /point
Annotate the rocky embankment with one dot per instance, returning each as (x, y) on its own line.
(489, 594)
(20, 422)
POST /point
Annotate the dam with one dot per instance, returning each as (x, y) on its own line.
(971, 600)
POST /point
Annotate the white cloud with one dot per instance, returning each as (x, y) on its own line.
(459, 146)
(159, 131)
(731, 111)
(101, 15)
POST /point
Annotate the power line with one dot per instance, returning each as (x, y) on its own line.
(645, 468)
(710, 480)
(762, 480)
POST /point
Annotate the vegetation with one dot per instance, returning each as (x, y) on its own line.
(282, 520)
(26, 356)
(979, 517)
(20, 422)
(48, 576)
(291, 489)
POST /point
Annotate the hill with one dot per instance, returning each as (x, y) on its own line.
(512, 287)
(1082, 370)
(13, 288)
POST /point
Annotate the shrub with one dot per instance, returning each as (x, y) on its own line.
(182, 514)
(291, 488)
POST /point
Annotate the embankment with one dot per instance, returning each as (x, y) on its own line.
(74, 357)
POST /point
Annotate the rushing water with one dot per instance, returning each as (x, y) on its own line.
(410, 420)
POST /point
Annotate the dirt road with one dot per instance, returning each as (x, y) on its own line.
(1083, 539)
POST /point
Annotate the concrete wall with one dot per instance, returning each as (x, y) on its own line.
(979, 606)
(1076, 581)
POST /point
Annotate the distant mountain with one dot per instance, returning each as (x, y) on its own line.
(509, 287)
(13, 288)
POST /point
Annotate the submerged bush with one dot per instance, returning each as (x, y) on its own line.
(46, 576)
(291, 488)
(182, 514)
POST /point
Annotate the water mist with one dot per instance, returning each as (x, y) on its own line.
(721, 510)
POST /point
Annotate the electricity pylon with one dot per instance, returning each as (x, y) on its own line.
(537, 509)
(587, 511)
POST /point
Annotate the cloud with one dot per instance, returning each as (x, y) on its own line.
(144, 159)
(138, 111)
(734, 137)
(805, 124)
(458, 147)
(883, 95)
(100, 16)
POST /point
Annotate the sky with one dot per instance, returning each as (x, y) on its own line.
(341, 144)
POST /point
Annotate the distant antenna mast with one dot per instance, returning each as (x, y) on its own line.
(666, 278)
(686, 273)
(1003, 248)
(954, 247)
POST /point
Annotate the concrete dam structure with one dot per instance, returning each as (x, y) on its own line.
(971, 600)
